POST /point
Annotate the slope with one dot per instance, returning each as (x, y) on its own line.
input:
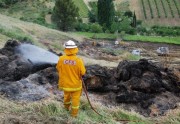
(40, 35)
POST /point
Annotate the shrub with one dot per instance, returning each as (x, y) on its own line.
(96, 28)
(128, 13)
(139, 22)
(131, 31)
(114, 27)
(82, 27)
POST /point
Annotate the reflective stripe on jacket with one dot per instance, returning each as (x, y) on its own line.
(70, 68)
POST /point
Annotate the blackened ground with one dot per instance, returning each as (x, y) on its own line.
(143, 85)
(20, 79)
(137, 83)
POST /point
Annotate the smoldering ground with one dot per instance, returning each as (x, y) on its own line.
(139, 84)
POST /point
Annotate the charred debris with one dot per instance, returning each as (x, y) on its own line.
(148, 88)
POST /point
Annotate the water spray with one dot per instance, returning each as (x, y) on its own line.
(37, 55)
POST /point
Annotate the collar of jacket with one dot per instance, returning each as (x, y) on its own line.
(71, 51)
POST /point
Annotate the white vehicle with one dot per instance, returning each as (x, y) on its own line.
(136, 52)
(163, 51)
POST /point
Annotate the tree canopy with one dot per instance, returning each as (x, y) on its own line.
(65, 14)
(106, 12)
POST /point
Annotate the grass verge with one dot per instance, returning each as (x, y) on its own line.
(96, 35)
(52, 111)
(157, 39)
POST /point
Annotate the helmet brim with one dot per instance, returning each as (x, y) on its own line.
(69, 47)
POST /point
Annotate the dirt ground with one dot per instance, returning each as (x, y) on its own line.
(95, 49)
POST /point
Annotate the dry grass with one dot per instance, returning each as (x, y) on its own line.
(89, 61)
(134, 5)
(51, 111)
(3, 40)
(40, 34)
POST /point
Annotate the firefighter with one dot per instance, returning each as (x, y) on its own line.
(71, 68)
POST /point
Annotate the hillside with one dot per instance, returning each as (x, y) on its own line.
(16, 29)
(151, 12)
(154, 12)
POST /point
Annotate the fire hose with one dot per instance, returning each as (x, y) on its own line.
(85, 91)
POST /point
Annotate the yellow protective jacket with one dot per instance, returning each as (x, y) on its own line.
(71, 69)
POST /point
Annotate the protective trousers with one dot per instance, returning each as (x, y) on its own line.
(72, 98)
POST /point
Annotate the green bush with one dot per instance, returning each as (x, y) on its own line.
(96, 28)
(114, 27)
(5, 3)
(166, 31)
(128, 13)
(139, 22)
(82, 27)
(131, 31)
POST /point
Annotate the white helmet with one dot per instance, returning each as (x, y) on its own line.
(70, 44)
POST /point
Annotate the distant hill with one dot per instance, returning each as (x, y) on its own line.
(153, 12)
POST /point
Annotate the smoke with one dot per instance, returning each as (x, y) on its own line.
(37, 55)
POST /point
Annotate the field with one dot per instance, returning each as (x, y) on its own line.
(83, 9)
(157, 12)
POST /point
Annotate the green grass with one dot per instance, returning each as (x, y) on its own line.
(31, 11)
(52, 111)
(83, 10)
(133, 57)
(158, 39)
(3, 39)
(96, 35)
(15, 33)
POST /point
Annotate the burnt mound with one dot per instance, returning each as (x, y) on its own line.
(139, 84)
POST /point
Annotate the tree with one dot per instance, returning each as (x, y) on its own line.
(106, 12)
(93, 15)
(6, 3)
(134, 23)
(65, 14)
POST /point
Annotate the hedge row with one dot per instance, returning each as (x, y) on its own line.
(172, 13)
(166, 31)
(144, 9)
(176, 4)
(152, 16)
(164, 8)
(157, 8)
